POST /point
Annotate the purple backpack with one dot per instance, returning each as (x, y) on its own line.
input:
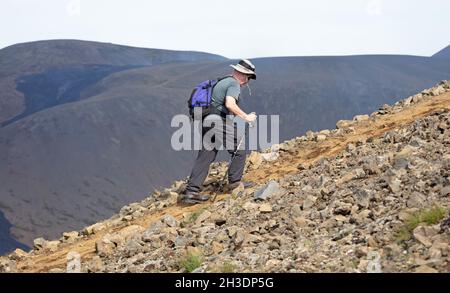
(201, 96)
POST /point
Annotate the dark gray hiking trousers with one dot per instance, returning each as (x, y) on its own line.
(227, 136)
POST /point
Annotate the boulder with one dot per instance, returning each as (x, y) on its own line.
(39, 243)
(326, 132)
(131, 209)
(167, 195)
(278, 147)
(395, 185)
(341, 124)
(423, 234)
(445, 191)
(270, 157)
(407, 101)
(272, 265)
(302, 166)
(321, 137)
(7, 265)
(216, 247)
(267, 190)
(95, 265)
(120, 237)
(73, 262)
(93, 229)
(309, 202)
(362, 197)
(18, 254)
(302, 222)
(194, 251)
(357, 173)
(239, 238)
(415, 200)
(417, 98)
(424, 269)
(70, 237)
(255, 160)
(154, 228)
(265, 208)
(436, 91)
(203, 217)
(361, 118)
(52, 246)
(350, 147)
(104, 246)
(250, 206)
(42, 244)
(238, 191)
(170, 221)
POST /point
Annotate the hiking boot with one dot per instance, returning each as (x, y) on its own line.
(246, 184)
(194, 197)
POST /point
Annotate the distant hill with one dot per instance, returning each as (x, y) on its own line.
(443, 54)
(91, 137)
(65, 63)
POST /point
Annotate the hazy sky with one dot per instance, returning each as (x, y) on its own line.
(237, 28)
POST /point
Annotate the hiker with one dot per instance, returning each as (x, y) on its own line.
(224, 101)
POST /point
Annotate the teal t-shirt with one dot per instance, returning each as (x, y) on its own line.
(226, 87)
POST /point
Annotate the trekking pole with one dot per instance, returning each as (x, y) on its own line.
(228, 169)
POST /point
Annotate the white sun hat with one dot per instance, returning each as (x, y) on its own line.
(245, 66)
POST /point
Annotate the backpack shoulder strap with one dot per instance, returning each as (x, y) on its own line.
(220, 79)
(226, 76)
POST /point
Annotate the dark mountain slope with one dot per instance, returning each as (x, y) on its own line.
(7, 242)
(46, 59)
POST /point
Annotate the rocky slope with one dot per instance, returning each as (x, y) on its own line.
(371, 195)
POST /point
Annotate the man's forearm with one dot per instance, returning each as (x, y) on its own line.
(233, 108)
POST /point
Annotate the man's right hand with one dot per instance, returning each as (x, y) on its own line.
(250, 117)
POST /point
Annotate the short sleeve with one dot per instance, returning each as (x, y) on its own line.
(233, 91)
